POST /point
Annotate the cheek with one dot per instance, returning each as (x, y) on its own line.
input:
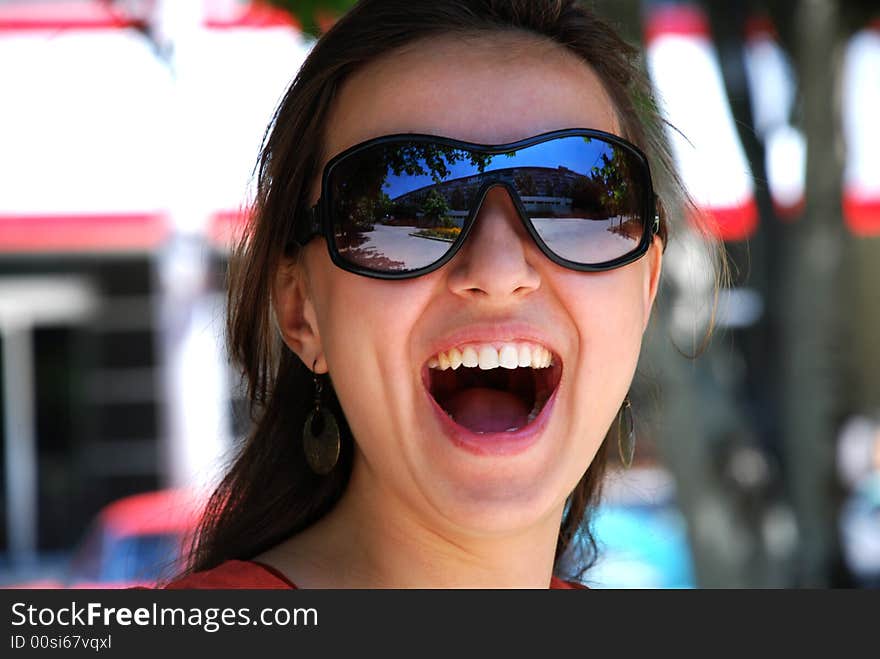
(361, 318)
(365, 326)
(608, 315)
(608, 310)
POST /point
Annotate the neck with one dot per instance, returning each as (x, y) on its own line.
(371, 539)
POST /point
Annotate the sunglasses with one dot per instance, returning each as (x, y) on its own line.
(401, 206)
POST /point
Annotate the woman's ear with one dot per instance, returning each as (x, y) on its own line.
(654, 263)
(295, 314)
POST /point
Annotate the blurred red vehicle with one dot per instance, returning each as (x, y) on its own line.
(135, 541)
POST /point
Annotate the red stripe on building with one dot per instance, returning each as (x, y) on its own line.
(731, 224)
(32, 16)
(226, 228)
(678, 20)
(25, 16)
(82, 233)
(862, 215)
(760, 27)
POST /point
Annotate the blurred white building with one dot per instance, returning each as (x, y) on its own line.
(130, 132)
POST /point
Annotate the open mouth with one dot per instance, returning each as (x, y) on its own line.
(491, 388)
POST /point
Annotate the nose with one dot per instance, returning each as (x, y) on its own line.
(496, 260)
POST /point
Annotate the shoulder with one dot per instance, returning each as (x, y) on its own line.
(233, 574)
(559, 584)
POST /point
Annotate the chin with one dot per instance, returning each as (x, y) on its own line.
(494, 512)
(505, 494)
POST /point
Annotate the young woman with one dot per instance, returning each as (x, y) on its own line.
(440, 301)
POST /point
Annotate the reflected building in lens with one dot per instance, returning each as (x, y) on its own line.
(543, 191)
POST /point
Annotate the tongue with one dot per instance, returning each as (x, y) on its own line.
(487, 410)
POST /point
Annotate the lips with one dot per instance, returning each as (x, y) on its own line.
(487, 389)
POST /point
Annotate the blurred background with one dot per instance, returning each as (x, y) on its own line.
(128, 134)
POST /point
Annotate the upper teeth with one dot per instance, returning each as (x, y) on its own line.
(488, 356)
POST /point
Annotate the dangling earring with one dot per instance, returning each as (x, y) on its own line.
(321, 447)
(626, 434)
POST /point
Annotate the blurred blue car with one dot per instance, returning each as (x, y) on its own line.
(641, 546)
(641, 535)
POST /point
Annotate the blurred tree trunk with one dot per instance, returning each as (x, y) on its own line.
(863, 296)
(699, 424)
(754, 268)
(819, 301)
(809, 294)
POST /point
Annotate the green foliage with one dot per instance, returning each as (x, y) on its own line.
(447, 234)
(383, 208)
(430, 159)
(314, 15)
(435, 206)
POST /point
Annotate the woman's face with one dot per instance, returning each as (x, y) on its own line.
(378, 337)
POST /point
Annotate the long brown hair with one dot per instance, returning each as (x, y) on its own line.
(269, 493)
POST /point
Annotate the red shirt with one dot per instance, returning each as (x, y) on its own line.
(250, 574)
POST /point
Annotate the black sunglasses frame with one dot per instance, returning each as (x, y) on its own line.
(318, 220)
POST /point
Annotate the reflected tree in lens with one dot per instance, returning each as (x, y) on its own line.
(429, 207)
(360, 197)
(361, 201)
(435, 207)
(610, 192)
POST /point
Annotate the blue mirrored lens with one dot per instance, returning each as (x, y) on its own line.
(399, 206)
